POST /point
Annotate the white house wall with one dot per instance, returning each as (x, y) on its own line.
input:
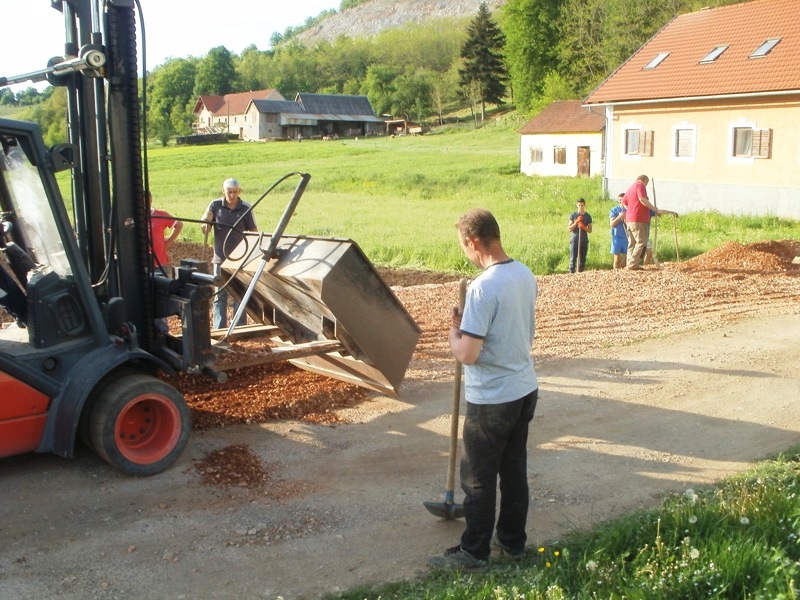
(712, 179)
(260, 126)
(547, 142)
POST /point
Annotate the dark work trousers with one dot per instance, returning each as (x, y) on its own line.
(496, 444)
(573, 252)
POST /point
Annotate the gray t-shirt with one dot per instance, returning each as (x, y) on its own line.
(500, 309)
(227, 216)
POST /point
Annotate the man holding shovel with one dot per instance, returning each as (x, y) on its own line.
(492, 338)
(639, 209)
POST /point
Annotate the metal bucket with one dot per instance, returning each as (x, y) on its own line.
(326, 307)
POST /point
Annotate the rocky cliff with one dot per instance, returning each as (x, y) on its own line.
(371, 17)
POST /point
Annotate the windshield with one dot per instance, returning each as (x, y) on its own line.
(27, 217)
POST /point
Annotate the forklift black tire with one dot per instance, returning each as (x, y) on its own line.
(139, 424)
(83, 423)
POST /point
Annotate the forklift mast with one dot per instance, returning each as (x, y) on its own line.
(110, 209)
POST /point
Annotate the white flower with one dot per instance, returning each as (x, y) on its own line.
(693, 519)
(744, 521)
(694, 553)
(591, 565)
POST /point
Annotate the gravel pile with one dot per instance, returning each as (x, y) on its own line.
(235, 465)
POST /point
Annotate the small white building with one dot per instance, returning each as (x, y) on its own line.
(564, 139)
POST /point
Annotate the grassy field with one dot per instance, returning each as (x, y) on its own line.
(399, 197)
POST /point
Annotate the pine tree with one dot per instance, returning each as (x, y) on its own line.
(484, 74)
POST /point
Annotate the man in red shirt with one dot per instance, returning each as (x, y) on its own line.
(160, 221)
(637, 220)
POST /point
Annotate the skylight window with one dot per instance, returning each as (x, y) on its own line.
(714, 54)
(765, 48)
(657, 60)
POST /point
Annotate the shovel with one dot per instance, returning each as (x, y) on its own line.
(449, 509)
(205, 244)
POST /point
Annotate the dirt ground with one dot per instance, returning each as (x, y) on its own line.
(294, 486)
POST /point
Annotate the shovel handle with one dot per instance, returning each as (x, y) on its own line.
(451, 470)
(205, 242)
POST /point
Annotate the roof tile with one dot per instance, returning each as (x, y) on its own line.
(565, 116)
(690, 37)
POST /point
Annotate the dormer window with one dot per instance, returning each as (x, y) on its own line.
(657, 60)
(765, 48)
(713, 55)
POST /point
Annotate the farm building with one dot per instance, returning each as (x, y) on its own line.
(709, 108)
(563, 139)
(266, 114)
(226, 114)
(310, 116)
(347, 116)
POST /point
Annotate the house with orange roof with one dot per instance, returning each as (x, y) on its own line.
(226, 114)
(709, 108)
(564, 139)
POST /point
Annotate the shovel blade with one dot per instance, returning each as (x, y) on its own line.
(445, 510)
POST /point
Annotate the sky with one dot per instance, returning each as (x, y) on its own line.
(174, 29)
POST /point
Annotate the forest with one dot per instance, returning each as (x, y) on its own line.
(533, 52)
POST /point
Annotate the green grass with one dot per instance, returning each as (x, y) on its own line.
(399, 197)
(738, 540)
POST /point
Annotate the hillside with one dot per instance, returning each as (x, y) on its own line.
(371, 17)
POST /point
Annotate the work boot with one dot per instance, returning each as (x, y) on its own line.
(505, 550)
(457, 559)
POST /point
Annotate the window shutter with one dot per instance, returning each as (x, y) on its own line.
(632, 141)
(684, 141)
(762, 143)
(647, 143)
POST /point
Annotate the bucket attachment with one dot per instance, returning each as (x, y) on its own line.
(325, 306)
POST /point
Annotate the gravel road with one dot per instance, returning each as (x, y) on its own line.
(304, 506)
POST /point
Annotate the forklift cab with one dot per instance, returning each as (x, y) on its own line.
(38, 242)
(41, 293)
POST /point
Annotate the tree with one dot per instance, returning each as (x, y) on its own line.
(51, 115)
(412, 95)
(29, 96)
(344, 61)
(7, 97)
(252, 68)
(216, 74)
(294, 68)
(170, 89)
(581, 33)
(483, 74)
(554, 87)
(530, 28)
(444, 91)
(379, 88)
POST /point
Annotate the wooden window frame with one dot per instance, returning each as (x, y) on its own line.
(688, 146)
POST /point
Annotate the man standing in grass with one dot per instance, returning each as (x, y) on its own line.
(639, 209)
(493, 339)
(619, 237)
(580, 226)
(229, 216)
